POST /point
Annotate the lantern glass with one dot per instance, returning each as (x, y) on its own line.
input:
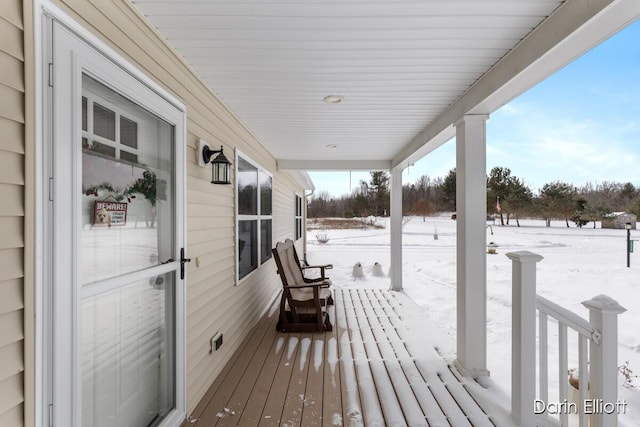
(221, 170)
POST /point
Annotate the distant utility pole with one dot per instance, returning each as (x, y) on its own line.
(628, 227)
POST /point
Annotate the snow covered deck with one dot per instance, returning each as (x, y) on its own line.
(375, 369)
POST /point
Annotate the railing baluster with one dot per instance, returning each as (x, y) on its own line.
(563, 370)
(597, 351)
(543, 345)
(583, 379)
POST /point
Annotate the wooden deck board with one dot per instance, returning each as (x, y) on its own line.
(252, 414)
(351, 407)
(296, 392)
(332, 381)
(360, 374)
(235, 407)
(272, 414)
(217, 396)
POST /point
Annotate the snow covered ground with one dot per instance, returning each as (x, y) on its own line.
(578, 264)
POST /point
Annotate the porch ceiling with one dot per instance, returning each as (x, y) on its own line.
(407, 69)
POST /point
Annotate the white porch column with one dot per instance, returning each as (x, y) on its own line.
(471, 200)
(523, 336)
(603, 358)
(396, 229)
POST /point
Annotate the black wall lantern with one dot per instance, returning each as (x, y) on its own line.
(220, 165)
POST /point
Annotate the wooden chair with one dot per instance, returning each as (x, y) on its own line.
(303, 302)
(304, 266)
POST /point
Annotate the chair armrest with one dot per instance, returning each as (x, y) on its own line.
(309, 285)
(325, 266)
(321, 267)
(315, 279)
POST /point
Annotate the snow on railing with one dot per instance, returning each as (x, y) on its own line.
(597, 354)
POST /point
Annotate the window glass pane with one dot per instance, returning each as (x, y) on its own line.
(127, 347)
(298, 228)
(298, 206)
(85, 114)
(247, 188)
(129, 157)
(127, 207)
(128, 132)
(265, 240)
(247, 246)
(266, 189)
(107, 150)
(104, 122)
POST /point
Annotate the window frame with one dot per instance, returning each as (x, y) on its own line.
(298, 217)
(259, 217)
(93, 98)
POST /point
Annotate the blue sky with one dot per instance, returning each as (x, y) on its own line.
(581, 124)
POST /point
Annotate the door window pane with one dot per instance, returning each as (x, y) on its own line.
(127, 213)
(127, 343)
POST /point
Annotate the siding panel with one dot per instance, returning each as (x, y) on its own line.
(11, 361)
(11, 392)
(11, 40)
(12, 197)
(12, 296)
(13, 71)
(13, 417)
(12, 179)
(11, 168)
(12, 105)
(12, 135)
(11, 11)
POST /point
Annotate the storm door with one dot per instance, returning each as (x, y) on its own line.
(116, 239)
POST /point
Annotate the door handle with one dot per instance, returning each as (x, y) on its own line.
(183, 260)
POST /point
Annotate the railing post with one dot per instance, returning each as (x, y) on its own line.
(603, 360)
(523, 347)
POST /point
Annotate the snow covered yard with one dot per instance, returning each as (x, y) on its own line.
(578, 264)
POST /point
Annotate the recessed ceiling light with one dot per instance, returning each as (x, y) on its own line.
(333, 99)
(332, 146)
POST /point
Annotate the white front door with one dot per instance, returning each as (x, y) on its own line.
(115, 243)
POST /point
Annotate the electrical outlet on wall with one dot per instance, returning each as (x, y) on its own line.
(216, 342)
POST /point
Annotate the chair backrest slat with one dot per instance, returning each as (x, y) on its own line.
(285, 259)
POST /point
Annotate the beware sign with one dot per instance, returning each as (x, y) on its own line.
(109, 213)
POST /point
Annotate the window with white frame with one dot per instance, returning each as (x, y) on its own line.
(298, 217)
(255, 217)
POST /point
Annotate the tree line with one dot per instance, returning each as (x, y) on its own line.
(508, 198)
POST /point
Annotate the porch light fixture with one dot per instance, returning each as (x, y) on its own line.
(333, 99)
(220, 165)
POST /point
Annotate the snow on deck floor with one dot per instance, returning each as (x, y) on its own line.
(379, 366)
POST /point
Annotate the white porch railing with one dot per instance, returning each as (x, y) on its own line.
(597, 404)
